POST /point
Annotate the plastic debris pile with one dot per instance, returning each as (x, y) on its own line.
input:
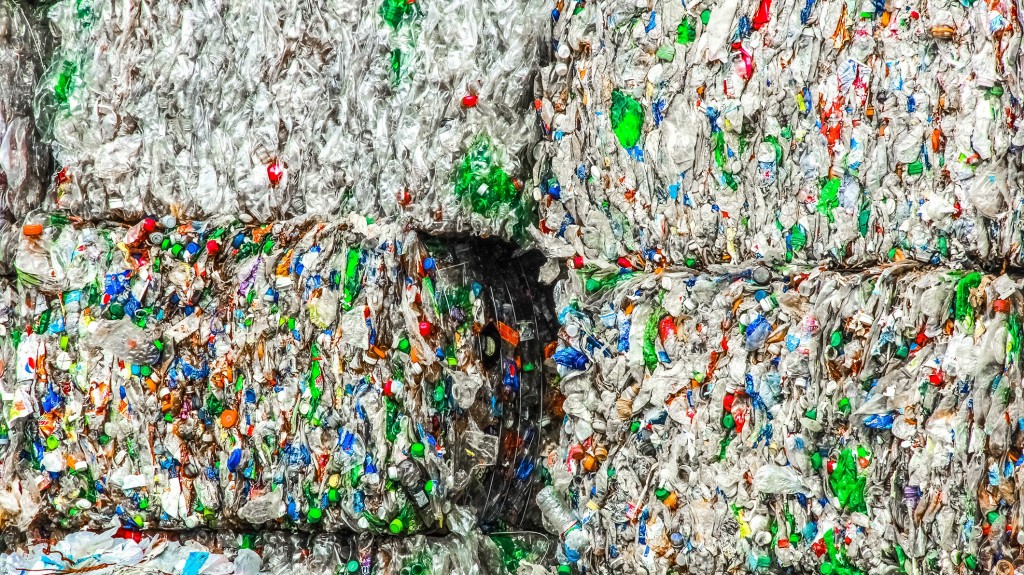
(784, 333)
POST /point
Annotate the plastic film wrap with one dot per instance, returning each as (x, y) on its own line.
(24, 158)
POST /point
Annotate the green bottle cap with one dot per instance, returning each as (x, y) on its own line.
(564, 570)
(416, 450)
(52, 443)
(661, 493)
(396, 526)
(144, 503)
(403, 345)
(428, 487)
(314, 515)
(352, 566)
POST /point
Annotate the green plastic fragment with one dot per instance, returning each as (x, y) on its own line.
(650, 335)
(686, 33)
(828, 201)
(481, 182)
(627, 117)
(797, 238)
(964, 309)
(353, 278)
(397, 12)
(846, 484)
(65, 82)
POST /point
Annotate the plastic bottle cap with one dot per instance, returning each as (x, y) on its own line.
(228, 418)
(314, 514)
(52, 443)
(352, 566)
(32, 229)
(396, 526)
(416, 450)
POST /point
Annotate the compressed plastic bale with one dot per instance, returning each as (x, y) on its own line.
(331, 377)
(418, 111)
(277, 553)
(813, 421)
(855, 133)
(24, 158)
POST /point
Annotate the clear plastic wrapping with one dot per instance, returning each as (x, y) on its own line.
(24, 158)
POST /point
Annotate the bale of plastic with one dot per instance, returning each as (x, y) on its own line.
(813, 420)
(275, 109)
(346, 376)
(853, 133)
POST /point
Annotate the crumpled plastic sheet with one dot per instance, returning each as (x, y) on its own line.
(228, 552)
(336, 377)
(24, 158)
(745, 419)
(283, 108)
(710, 132)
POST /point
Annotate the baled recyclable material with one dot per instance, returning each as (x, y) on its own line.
(757, 420)
(728, 132)
(336, 377)
(276, 109)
